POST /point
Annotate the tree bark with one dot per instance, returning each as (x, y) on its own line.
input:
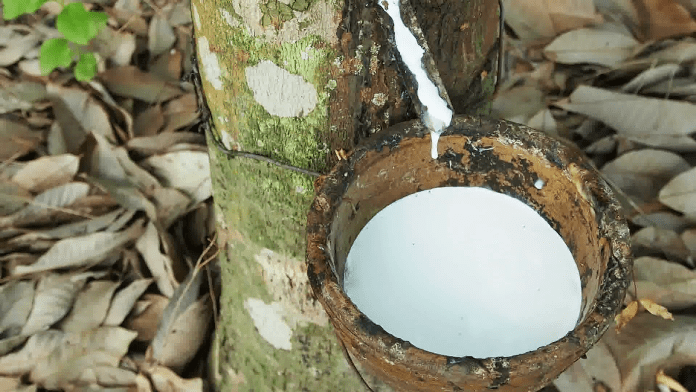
(297, 81)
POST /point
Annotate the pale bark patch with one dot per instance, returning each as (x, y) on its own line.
(286, 280)
(211, 66)
(280, 92)
(268, 320)
(196, 17)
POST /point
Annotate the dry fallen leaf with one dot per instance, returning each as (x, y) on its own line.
(129, 13)
(518, 104)
(661, 219)
(124, 300)
(626, 315)
(168, 66)
(87, 226)
(538, 19)
(23, 40)
(146, 316)
(642, 173)
(188, 171)
(651, 76)
(594, 46)
(148, 122)
(677, 52)
(662, 378)
(100, 159)
(159, 264)
(668, 283)
(544, 121)
(59, 360)
(90, 306)
(667, 18)
(53, 298)
(79, 114)
(47, 172)
(180, 112)
(59, 206)
(653, 239)
(628, 362)
(121, 119)
(689, 239)
(46, 203)
(180, 14)
(649, 343)
(655, 122)
(16, 139)
(9, 344)
(131, 82)
(157, 144)
(127, 195)
(166, 380)
(12, 197)
(182, 328)
(19, 94)
(187, 334)
(655, 309)
(680, 193)
(161, 35)
(16, 301)
(682, 88)
(171, 205)
(598, 366)
(9, 384)
(80, 251)
(116, 45)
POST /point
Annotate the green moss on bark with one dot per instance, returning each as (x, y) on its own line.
(270, 208)
(315, 362)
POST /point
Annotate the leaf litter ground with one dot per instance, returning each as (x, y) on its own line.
(106, 210)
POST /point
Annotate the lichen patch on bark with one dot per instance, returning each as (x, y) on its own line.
(280, 92)
(319, 20)
(229, 18)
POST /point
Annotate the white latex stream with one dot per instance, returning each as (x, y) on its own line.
(436, 115)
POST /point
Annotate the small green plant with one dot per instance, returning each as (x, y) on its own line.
(78, 26)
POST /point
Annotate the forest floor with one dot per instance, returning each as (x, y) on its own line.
(106, 213)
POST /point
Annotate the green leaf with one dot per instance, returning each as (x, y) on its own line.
(78, 25)
(86, 68)
(14, 8)
(54, 53)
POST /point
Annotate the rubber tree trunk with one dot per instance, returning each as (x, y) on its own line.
(298, 81)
